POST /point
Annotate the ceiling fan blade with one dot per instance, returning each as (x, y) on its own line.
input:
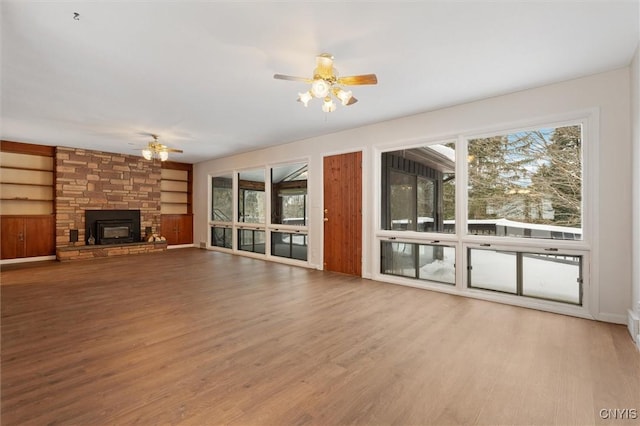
(324, 66)
(179, 151)
(358, 79)
(292, 78)
(153, 135)
(352, 101)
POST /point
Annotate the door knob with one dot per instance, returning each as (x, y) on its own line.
(326, 219)
(326, 210)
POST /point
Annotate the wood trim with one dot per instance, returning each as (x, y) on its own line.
(27, 148)
(173, 165)
(251, 185)
(8, 216)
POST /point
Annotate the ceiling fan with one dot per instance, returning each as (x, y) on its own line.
(157, 150)
(326, 82)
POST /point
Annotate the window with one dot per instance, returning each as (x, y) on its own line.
(222, 211)
(418, 195)
(527, 184)
(222, 199)
(421, 261)
(251, 201)
(289, 211)
(418, 189)
(556, 277)
(522, 184)
(289, 244)
(252, 240)
(222, 236)
(289, 195)
(272, 212)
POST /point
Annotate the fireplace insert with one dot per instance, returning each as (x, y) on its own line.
(112, 226)
(116, 231)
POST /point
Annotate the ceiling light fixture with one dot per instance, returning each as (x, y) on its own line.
(326, 84)
(157, 150)
(328, 105)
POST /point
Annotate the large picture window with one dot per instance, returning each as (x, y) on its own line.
(418, 189)
(527, 184)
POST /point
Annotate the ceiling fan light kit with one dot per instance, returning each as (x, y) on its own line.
(157, 150)
(325, 84)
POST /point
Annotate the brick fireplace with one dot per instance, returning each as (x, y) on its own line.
(93, 180)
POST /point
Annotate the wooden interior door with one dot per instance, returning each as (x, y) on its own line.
(343, 213)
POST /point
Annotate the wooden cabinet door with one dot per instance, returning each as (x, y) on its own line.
(177, 228)
(12, 236)
(27, 236)
(39, 236)
(186, 229)
(168, 228)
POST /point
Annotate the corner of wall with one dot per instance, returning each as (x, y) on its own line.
(633, 322)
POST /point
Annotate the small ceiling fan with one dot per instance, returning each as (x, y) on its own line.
(157, 150)
(326, 82)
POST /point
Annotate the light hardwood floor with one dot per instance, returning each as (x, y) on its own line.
(196, 337)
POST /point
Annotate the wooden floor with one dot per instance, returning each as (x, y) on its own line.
(195, 337)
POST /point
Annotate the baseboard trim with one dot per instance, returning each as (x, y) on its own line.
(612, 318)
(27, 259)
(178, 246)
(633, 325)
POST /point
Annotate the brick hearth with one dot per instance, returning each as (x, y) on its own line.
(109, 250)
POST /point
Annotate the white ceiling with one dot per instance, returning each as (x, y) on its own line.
(200, 74)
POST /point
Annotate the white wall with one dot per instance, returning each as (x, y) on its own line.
(607, 92)
(635, 129)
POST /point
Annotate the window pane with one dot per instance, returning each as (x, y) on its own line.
(555, 277)
(291, 245)
(403, 200)
(221, 237)
(527, 184)
(222, 199)
(251, 201)
(251, 240)
(422, 261)
(493, 270)
(289, 195)
(426, 204)
(418, 189)
(398, 259)
(437, 263)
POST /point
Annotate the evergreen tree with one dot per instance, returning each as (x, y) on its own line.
(488, 184)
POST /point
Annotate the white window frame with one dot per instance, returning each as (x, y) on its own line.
(267, 227)
(462, 241)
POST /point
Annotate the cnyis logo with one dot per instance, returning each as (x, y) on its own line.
(619, 414)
